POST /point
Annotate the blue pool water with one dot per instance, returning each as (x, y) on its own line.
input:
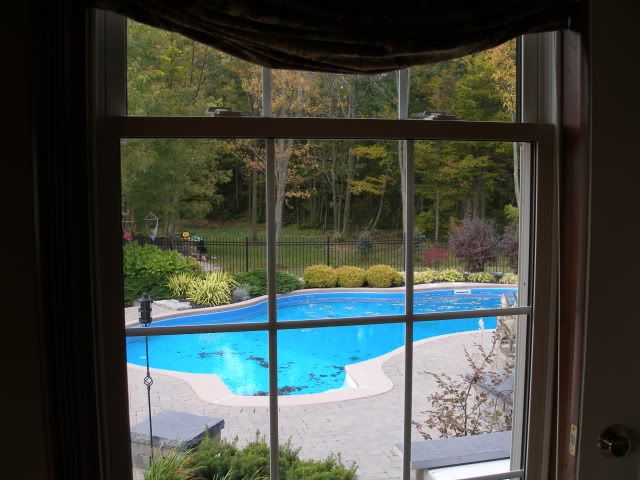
(310, 360)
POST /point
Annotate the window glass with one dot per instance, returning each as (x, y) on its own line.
(168, 74)
(464, 386)
(467, 212)
(476, 87)
(192, 219)
(344, 407)
(312, 94)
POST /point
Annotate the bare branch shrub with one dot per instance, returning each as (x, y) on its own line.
(462, 405)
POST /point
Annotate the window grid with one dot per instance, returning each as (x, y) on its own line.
(273, 326)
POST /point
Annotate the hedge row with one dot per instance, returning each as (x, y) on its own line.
(383, 276)
(378, 276)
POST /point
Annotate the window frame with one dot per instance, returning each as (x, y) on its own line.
(114, 125)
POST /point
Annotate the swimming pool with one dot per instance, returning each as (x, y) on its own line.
(310, 360)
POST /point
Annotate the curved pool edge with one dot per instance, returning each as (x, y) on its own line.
(368, 378)
(309, 291)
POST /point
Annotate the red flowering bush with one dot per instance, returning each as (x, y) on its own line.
(434, 256)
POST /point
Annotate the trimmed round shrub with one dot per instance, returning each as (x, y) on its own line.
(481, 277)
(320, 276)
(351, 277)
(383, 276)
(509, 279)
(426, 276)
(449, 275)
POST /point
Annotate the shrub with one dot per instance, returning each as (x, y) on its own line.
(211, 290)
(194, 263)
(330, 468)
(449, 275)
(509, 245)
(320, 276)
(481, 277)
(154, 285)
(512, 213)
(351, 277)
(426, 276)
(419, 239)
(179, 284)
(460, 406)
(241, 293)
(383, 276)
(175, 465)
(424, 221)
(509, 278)
(256, 282)
(434, 256)
(473, 241)
(219, 459)
(147, 268)
(365, 243)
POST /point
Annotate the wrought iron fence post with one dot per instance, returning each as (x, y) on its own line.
(246, 254)
(328, 246)
(145, 320)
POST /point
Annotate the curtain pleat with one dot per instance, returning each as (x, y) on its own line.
(348, 36)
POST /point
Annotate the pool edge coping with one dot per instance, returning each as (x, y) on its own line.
(368, 376)
(309, 291)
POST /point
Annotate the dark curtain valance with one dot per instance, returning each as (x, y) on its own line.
(364, 36)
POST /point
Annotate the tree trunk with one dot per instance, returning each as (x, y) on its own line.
(403, 114)
(193, 57)
(254, 204)
(437, 215)
(283, 151)
(516, 172)
(334, 189)
(313, 203)
(236, 186)
(346, 217)
(375, 223)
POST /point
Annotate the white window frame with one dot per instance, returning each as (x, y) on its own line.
(536, 317)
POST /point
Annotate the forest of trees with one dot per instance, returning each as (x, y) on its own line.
(338, 187)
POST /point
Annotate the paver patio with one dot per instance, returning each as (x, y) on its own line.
(361, 430)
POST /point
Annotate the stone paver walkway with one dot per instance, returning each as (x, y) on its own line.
(362, 430)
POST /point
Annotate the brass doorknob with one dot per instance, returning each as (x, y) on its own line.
(615, 441)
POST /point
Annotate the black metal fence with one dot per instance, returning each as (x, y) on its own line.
(293, 255)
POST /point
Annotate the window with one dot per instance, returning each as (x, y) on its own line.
(364, 374)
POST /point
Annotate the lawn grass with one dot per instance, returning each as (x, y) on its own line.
(240, 229)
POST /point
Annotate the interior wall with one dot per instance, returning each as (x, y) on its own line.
(611, 393)
(23, 429)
